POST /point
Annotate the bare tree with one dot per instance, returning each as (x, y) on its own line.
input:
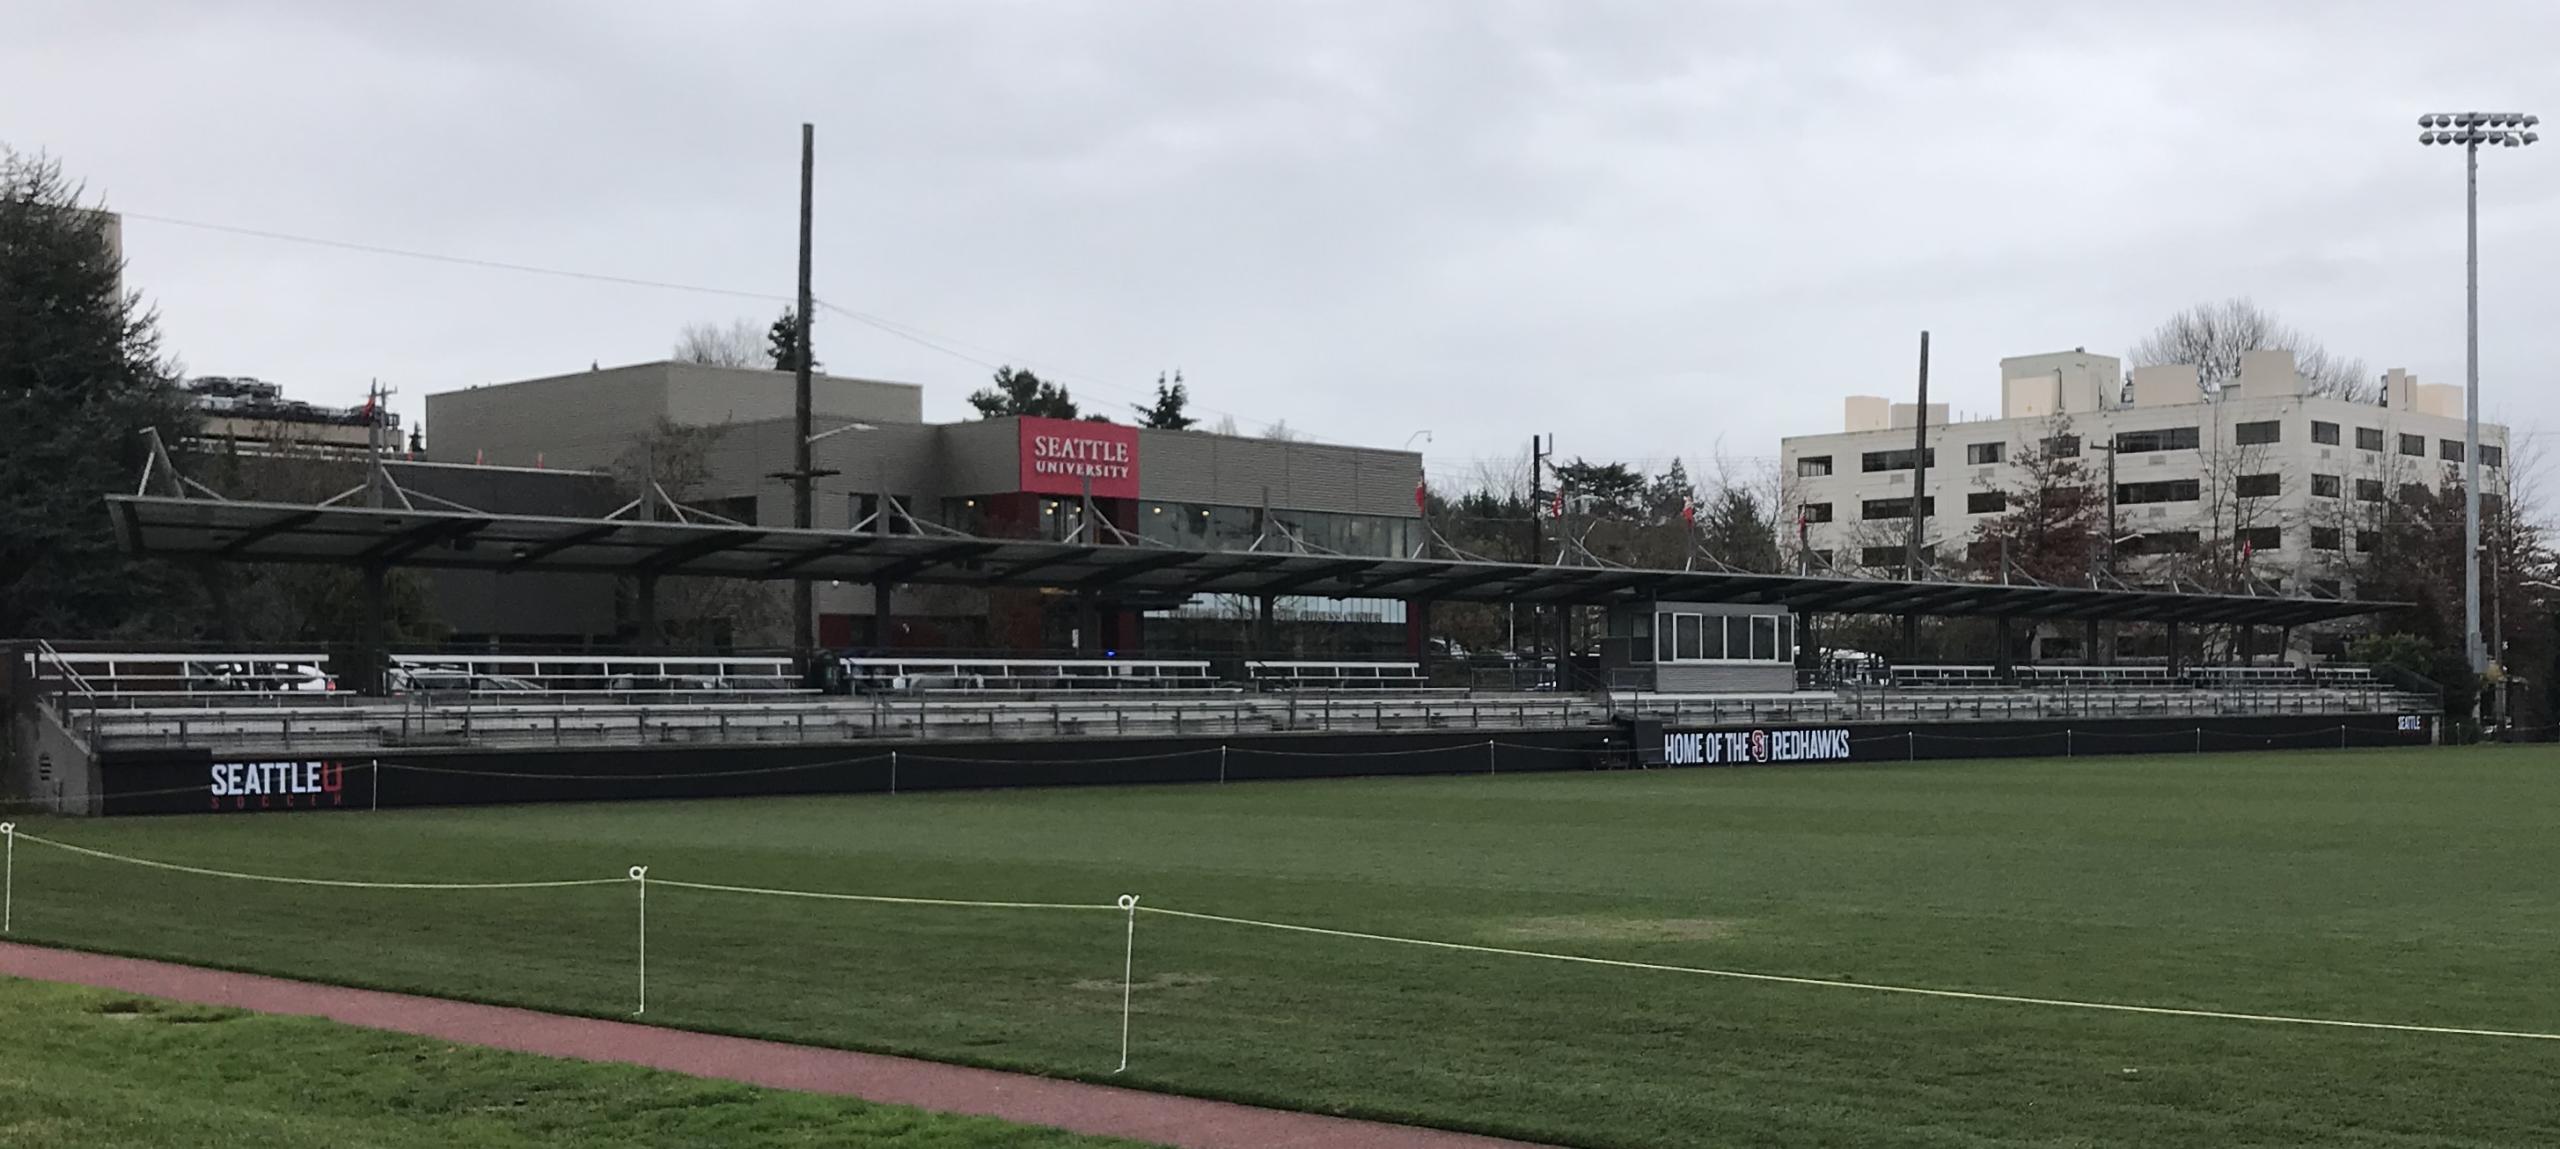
(673, 461)
(1283, 432)
(2213, 336)
(737, 344)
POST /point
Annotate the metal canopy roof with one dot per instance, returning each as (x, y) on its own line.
(356, 536)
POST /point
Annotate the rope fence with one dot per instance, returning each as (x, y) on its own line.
(1128, 907)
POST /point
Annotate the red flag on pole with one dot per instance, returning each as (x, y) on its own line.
(1421, 495)
(1689, 511)
(1557, 510)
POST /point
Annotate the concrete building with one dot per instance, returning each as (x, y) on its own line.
(252, 414)
(716, 436)
(2283, 477)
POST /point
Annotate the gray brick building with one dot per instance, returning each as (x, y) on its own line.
(720, 434)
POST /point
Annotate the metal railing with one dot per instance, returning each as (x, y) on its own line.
(420, 721)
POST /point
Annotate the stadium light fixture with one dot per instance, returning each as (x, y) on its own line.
(2469, 131)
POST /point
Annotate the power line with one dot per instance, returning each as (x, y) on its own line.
(909, 333)
(457, 260)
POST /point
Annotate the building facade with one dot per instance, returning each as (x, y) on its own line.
(2287, 481)
(717, 437)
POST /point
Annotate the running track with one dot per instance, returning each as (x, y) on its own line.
(1187, 1122)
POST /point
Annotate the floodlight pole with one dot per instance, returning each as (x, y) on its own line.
(2472, 129)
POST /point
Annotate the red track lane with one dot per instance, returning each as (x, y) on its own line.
(1187, 1122)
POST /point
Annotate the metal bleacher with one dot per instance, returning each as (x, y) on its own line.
(1297, 675)
(900, 675)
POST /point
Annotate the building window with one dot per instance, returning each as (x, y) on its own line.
(2368, 438)
(2414, 446)
(2259, 486)
(1982, 454)
(1685, 648)
(2411, 492)
(1883, 558)
(2367, 540)
(2326, 486)
(2324, 538)
(2491, 455)
(1817, 512)
(1821, 558)
(2324, 433)
(2165, 439)
(1893, 460)
(2258, 434)
(2160, 543)
(1813, 466)
(2165, 491)
(1986, 502)
(1896, 508)
(2262, 538)
(2063, 447)
(2369, 490)
(2450, 450)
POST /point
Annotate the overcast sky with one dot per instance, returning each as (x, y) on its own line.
(1651, 229)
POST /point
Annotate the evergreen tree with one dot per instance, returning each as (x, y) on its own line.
(81, 376)
(1166, 413)
(782, 341)
(1019, 392)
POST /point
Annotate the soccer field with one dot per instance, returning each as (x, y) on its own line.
(2418, 887)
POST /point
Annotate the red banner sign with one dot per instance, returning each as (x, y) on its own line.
(1060, 455)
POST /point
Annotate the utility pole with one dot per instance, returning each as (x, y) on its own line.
(1538, 448)
(803, 608)
(1920, 467)
(1919, 496)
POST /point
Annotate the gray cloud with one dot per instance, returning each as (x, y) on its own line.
(1650, 228)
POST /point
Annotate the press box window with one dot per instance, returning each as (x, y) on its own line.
(1681, 636)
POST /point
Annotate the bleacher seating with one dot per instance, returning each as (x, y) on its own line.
(892, 675)
(591, 674)
(1280, 675)
(2094, 676)
(1908, 677)
(2246, 676)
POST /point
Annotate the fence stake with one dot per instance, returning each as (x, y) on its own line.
(640, 874)
(1910, 746)
(2199, 740)
(377, 786)
(2066, 742)
(8, 874)
(1222, 762)
(893, 771)
(1128, 972)
(1489, 749)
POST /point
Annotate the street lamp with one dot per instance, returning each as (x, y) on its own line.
(2470, 130)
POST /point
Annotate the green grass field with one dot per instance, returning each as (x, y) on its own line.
(87, 1068)
(2400, 886)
